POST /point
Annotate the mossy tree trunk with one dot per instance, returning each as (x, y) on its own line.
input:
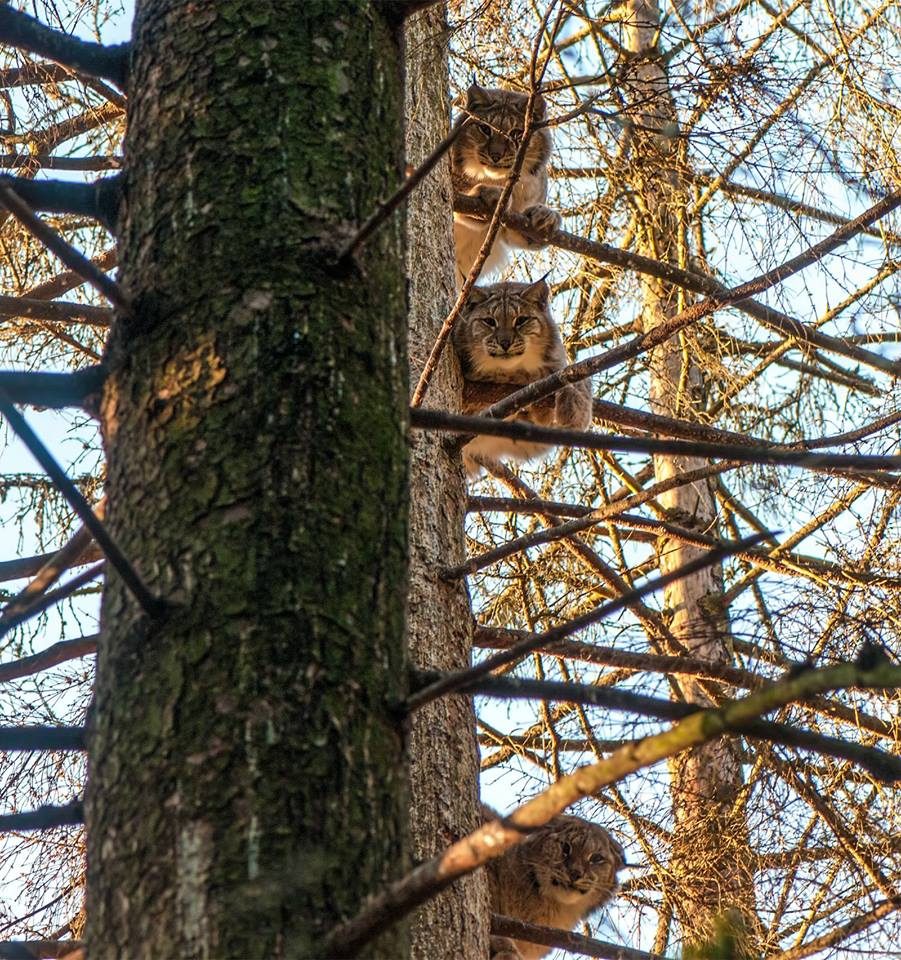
(247, 776)
(443, 752)
(711, 865)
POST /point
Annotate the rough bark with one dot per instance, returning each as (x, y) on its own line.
(247, 780)
(443, 750)
(710, 859)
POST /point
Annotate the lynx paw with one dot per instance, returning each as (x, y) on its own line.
(572, 408)
(503, 948)
(542, 222)
(489, 195)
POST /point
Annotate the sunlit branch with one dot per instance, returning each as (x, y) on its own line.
(55, 311)
(50, 572)
(429, 419)
(460, 679)
(494, 838)
(19, 30)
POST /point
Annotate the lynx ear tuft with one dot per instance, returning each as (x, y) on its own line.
(476, 96)
(538, 292)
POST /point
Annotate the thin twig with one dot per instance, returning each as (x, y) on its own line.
(879, 764)
(571, 942)
(50, 572)
(393, 202)
(151, 605)
(44, 601)
(71, 257)
(460, 679)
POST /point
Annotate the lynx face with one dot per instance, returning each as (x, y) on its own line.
(486, 148)
(507, 333)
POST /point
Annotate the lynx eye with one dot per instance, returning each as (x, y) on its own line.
(566, 848)
(488, 321)
(484, 129)
(521, 321)
(597, 858)
(516, 134)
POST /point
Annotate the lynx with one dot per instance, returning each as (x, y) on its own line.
(506, 334)
(481, 159)
(554, 877)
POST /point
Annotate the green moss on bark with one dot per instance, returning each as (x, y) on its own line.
(247, 777)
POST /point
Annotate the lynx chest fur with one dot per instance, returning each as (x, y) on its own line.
(553, 878)
(507, 335)
(481, 159)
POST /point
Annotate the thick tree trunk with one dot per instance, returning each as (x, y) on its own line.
(710, 862)
(444, 762)
(247, 781)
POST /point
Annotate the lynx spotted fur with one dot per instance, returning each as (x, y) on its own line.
(506, 334)
(554, 877)
(481, 158)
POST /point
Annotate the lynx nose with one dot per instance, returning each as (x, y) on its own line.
(504, 340)
(496, 149)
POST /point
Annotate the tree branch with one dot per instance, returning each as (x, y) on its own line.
(150, 604)
(20, 613)
(58, 653)
(879, 764)
(71, 257)
(429, 419)
(571, 942)
(461, 679)
(43, 818)
(94, 59)
(494, 838)
(42, 738)
(53, 391)
(40, 949)
(98, 200)
(55, 311)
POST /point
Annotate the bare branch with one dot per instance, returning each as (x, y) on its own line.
(99, 200)
(494, 838)
(55, 311)
(42, 738)
(571, 942)
(71, 257)
(151, 605)
(95, 59)
(56, 654)
(428, 419)
(53, 390)
(72, 814)
(461, 679)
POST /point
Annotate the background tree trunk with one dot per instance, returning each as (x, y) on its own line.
(247, 782)
(443, 753)
(710, 859)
